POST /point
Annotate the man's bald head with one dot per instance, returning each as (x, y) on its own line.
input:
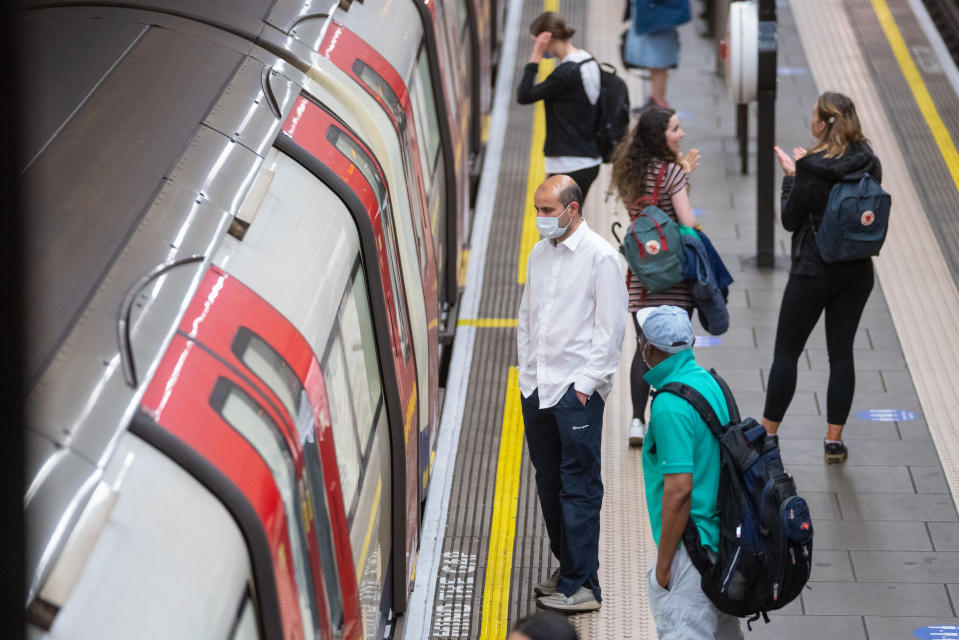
(564, 189)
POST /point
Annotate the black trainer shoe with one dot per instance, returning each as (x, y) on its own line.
(835, 452)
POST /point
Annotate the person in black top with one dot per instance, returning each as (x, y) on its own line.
(841, 289)
(569, 94)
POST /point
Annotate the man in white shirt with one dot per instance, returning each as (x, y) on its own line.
(571, 324)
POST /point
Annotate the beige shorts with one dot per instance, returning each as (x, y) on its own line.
(683, 612)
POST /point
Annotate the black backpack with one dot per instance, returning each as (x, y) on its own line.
(765, 530)
(612, 117)
(855, 220)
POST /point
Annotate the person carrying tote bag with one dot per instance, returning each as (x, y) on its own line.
(652, 41)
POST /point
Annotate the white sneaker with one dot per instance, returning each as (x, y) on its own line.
(636, 432)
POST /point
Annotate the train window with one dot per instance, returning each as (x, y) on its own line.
(338, 393)
(276, 372)
(448, 27)
(323, 529)
(357, 335)
(461, 15)
(382, 89)
(251, 421)
(246, 627)
(362, 161)
(271, 368)
(424, 112)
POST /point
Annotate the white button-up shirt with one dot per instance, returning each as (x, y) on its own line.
(572, 317)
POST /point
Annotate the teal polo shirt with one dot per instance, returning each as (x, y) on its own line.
(679, 441)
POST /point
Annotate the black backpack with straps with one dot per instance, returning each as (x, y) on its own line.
(765, 530)
(612, 118)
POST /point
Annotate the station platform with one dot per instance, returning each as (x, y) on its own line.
(886, 545)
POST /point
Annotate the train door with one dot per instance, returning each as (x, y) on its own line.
(222, 416)
(331, 151)
(377, 77)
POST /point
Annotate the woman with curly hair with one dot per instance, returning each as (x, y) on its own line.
(650, 154)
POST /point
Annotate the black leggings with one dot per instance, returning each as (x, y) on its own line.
(842, 292)
(583, 178)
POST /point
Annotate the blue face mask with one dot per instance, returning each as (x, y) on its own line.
(549, 227)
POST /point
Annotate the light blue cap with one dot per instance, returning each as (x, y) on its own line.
(667, 328)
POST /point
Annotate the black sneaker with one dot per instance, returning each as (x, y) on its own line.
(835, 452)
(774, 437)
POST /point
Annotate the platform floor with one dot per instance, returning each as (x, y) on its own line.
(886, 531)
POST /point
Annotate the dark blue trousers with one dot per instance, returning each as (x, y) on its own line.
(564, 444)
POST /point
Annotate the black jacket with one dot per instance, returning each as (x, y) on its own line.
(804, 199)
(570, 118)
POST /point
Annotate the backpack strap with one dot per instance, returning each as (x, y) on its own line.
(731, 405)
(634, 209)
(700, 404)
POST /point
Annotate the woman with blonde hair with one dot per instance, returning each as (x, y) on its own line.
(649, 161)
(841, 289)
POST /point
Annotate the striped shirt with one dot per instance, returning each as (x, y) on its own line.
(674, 179)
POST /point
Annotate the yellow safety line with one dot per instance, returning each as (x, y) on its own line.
(499, 564)
(487, 322)
(537, 169)
(919, 91)
(369, 531)
(410, 411)
(463, 266)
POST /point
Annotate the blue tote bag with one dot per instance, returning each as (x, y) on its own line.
(650, 16)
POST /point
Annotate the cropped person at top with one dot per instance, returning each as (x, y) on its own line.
(569, 95)
(841, 289)
(653, 144)
(652, 42)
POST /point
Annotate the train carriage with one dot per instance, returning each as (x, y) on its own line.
(246, 221)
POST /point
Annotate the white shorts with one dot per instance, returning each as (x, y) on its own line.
(684, 612)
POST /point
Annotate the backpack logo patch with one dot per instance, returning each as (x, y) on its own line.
(652, 247)
(867, 218)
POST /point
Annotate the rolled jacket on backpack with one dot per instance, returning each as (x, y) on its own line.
(708, 296)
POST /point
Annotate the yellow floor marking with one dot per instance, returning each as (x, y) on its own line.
(537, 170)
(464, 265)
(365, 549)
(487, 322)
(919, 91)
(410, 410)
(484, 128)
(499, 564)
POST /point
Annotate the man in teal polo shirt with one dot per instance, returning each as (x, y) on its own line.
(681, 471)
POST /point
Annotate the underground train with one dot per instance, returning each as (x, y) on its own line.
(246, 224)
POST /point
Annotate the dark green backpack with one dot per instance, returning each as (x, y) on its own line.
(652, 244)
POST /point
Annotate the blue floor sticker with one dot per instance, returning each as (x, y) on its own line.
(685, 115)
(886, 415)
(707, 341)
(698, 212)
(792, 71)
(937, 631)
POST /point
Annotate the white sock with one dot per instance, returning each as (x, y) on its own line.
(832, 441)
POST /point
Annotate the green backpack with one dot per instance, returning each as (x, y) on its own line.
(652, 244)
